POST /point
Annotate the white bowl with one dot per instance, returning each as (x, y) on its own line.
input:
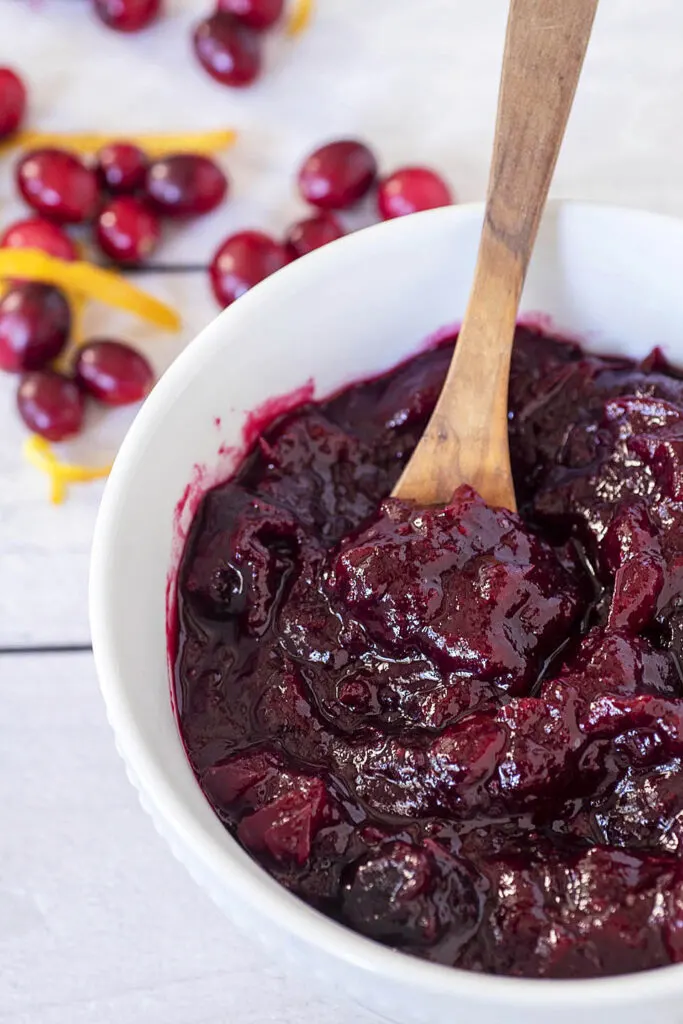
(611, 277)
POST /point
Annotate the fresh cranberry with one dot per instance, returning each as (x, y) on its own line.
(242, 261)
(50, 404)
(257, 14)
(228, 49)
(127, 15)
(311, 233)
(337, 175)
(185, 185)
(36, 233)
(35, 322)
(410, 190)
(121, 168)
(126, 231)
(58, 185)
(113, 372)
(12, 102)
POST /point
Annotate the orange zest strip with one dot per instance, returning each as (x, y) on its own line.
(40, 454)
(77, 304)
(155, 145)
(77, 309)
(86, 279)
(300, 16)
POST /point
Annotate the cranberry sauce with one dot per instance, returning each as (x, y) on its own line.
(459, 731)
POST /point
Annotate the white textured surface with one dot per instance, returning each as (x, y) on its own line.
(97, 922)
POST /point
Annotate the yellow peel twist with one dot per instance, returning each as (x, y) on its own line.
(300, 17)
(40, 454)
(86, 279)
(155, 145)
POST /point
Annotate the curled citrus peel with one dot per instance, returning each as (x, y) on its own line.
(80, 281)
(300, 16)
(77, 304)
(81, 278)
(40, 454)
(156, 145)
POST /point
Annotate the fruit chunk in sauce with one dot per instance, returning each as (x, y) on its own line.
(459, 731)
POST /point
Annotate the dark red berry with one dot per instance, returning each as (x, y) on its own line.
(337, 175)
(311, 233)
(35, 322)
(410, 190)
(58, 185)
(121, 168)
(257, 14)
(185, 185)
(50, 404)
(12, 102)
(127, 15)
(127, 231)
(242, 261)
(228, 49)
(36, 233)
(113, 372)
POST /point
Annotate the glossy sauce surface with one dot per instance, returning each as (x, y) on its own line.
(459, 731)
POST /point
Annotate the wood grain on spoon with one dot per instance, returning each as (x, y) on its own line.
(466, 440)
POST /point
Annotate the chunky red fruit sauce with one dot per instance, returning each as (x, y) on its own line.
(459, 731)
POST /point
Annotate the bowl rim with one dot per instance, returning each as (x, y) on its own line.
(226, 860)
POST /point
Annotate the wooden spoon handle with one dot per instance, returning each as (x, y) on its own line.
(466, 440)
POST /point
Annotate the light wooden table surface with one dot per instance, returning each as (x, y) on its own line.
(97, 921)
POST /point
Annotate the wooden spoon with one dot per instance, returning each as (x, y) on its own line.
(466, 440)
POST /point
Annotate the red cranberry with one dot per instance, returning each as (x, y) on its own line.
(58, 185)
(127, 15)
(113, 372)
(257, 14)
(50, 404)
(126, 231)
(35, 233)
(121, 167)
(309, 234)
(242, 261)
(35, 322)
(228, 50)
(410, 190)
(12, 102)
(337, 175)
(185, 185)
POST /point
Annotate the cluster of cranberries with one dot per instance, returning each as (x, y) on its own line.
(123, 194)
(35, 325)
(333, 178)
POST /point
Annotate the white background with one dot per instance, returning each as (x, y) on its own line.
(97, 922)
